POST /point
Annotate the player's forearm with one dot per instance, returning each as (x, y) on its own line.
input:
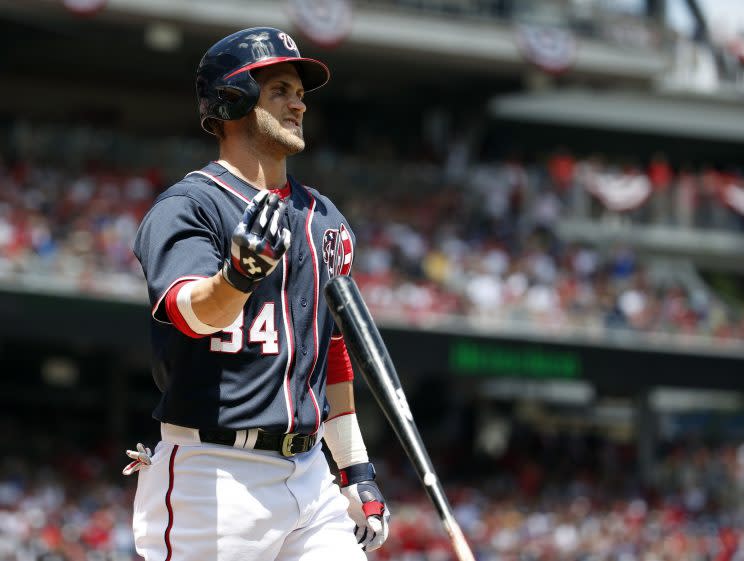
(342, 434)
(215, 302)
(258, 245)
(340, 398)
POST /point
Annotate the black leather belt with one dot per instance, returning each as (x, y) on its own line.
(286, 444)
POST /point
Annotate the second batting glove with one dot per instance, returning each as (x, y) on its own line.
(258, 242)
(367, 506)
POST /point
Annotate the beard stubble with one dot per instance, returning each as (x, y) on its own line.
(271, 131)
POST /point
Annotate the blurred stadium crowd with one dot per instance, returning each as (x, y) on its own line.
(434, 237)
(449, 229)
(554, 497)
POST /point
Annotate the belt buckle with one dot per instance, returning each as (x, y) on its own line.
(303, 441)
(287, 444)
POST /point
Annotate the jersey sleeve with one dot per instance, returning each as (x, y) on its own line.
(178, 240)
(339, 367)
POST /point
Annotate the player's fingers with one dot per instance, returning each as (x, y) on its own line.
(272, 242)
(379, 532)
(130, 468)
(259, 198)
(252, 208)
(367, 539)
(360, 532)
(142, 449)
(272, 231)
(281, 244)
(140, 455)
(261, 223)
(256, 209)
(375, 524)
(272, 203)
(274, 224)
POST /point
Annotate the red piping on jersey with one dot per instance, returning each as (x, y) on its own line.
(290, 347)
(283, 193)
(309, 234)
(221, 184)
(168, 505)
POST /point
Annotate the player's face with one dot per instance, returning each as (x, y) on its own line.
(279, 111)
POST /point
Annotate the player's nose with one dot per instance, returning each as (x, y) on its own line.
(296, 104)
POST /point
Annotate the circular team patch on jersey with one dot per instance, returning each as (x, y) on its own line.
(338, 251)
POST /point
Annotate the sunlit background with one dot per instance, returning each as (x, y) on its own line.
(548, 199)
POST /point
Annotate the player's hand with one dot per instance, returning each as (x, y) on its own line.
(367, 506)
(142, 457)
(258, 242)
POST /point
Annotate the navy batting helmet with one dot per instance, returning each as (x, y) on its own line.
(225, 88)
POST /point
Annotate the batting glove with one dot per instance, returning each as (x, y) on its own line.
(366, 505)
(258, 243)
(142, 457)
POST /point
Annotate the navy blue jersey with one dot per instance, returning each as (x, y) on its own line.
(268, 369)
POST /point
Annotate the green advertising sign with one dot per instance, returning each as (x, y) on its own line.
(468, 358)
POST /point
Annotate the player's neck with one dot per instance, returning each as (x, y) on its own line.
(260, 170)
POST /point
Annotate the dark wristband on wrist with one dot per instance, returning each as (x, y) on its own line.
(236, 280)
(357, 473)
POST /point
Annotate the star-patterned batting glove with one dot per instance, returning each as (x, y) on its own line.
(367, 506)
(258, 242)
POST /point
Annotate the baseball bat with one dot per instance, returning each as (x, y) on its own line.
(368, 349)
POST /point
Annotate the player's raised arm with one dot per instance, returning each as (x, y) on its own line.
(258, 244)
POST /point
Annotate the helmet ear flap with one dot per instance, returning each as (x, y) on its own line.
(234, 102)
(229, 94)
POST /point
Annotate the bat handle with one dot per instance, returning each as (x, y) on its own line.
(459, 544)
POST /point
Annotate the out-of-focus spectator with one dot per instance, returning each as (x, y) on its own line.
(487, 247)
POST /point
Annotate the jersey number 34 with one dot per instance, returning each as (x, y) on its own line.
(262, 330)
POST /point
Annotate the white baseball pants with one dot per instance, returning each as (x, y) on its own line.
(206, 502)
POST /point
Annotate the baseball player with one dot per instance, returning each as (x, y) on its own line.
(252, 370)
